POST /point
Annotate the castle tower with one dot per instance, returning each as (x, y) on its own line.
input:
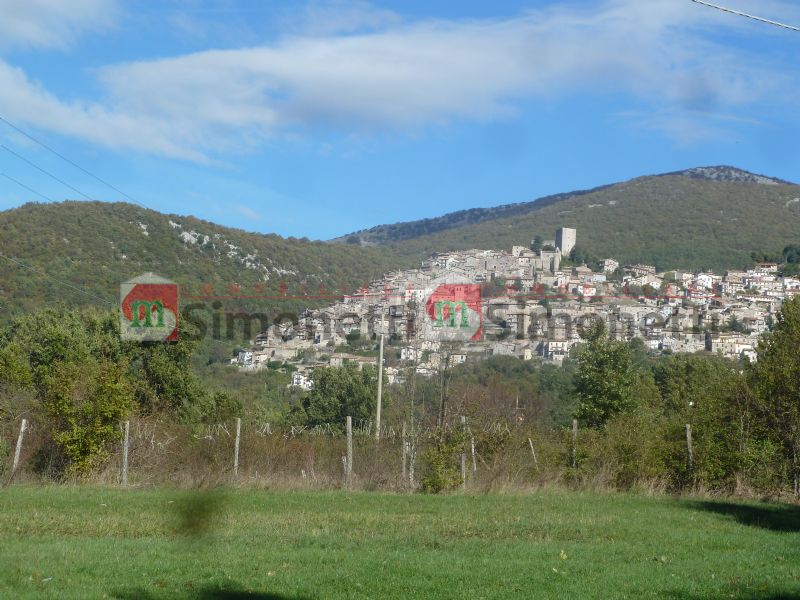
(565, 240)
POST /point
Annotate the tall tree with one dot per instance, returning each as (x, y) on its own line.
(775, 377)
(605, 379)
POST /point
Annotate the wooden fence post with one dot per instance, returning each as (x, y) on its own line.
(689, 451)
(125, 440)
(412, 459)
(349, 451)
(574, 443)
(236, 446)
(464, 455)
(533, 454)
(18, 452)
(474, 463)
(404, 452)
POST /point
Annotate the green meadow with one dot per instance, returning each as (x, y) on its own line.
(88, 542)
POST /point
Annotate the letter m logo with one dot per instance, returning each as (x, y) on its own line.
(450, 308)
(455, 311)
(149, 309)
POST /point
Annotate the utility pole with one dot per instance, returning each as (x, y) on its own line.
(380, 392)
(380, 386)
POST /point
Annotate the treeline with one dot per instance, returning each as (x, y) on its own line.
(68, 372)
(788, 259)
(98, 245)
(633, 407)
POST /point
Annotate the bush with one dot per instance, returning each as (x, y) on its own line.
(441, 462)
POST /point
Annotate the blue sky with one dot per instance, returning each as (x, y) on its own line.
(320, 118)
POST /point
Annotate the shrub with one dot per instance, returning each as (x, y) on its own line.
(440, 461)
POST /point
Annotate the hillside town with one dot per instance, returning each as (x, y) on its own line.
(535, 302)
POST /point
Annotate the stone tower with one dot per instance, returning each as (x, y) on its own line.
(565, 240)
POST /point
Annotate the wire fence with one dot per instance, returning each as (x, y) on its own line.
(463, 454)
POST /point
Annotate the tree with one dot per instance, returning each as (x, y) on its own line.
(338, 393)
(735, 325)
(579, 256)
(708, 393)
(649, 291)
(605, 379)
(536, 245)
(86, 403)
(75, 365)
(775, 378)
(84, 379)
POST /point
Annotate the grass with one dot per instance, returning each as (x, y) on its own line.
(77, 542)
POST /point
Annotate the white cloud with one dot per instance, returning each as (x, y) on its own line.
(247, 211)
(342, 16)
(25, 101)
(410, 75)
(51, 23)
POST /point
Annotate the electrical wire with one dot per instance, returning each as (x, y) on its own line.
(744, 14)
(58, 281)
(73, 163)
(35, 166)
(30, 189)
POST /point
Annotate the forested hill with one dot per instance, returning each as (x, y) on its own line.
(707, 217)
(79, 252)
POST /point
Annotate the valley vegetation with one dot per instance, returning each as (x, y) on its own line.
(68, 372)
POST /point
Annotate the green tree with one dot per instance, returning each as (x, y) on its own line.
(735, 325)
(775, 378)
(580, 256)
(85, 379)
(706, 392)
(605, 379)
(338, 393)
(86, 403)
(76, 365)
(649, 291)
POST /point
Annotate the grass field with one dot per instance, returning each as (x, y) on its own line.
(75, 542)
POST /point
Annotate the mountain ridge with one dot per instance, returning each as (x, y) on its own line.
(402, 230)
(73, 250)
(706, 219)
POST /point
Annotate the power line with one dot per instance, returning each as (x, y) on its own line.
(64, 158)
(58, 281)
(30, 189)
(69, 285)
(77, 166)
(749, 16)
(35, 166)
